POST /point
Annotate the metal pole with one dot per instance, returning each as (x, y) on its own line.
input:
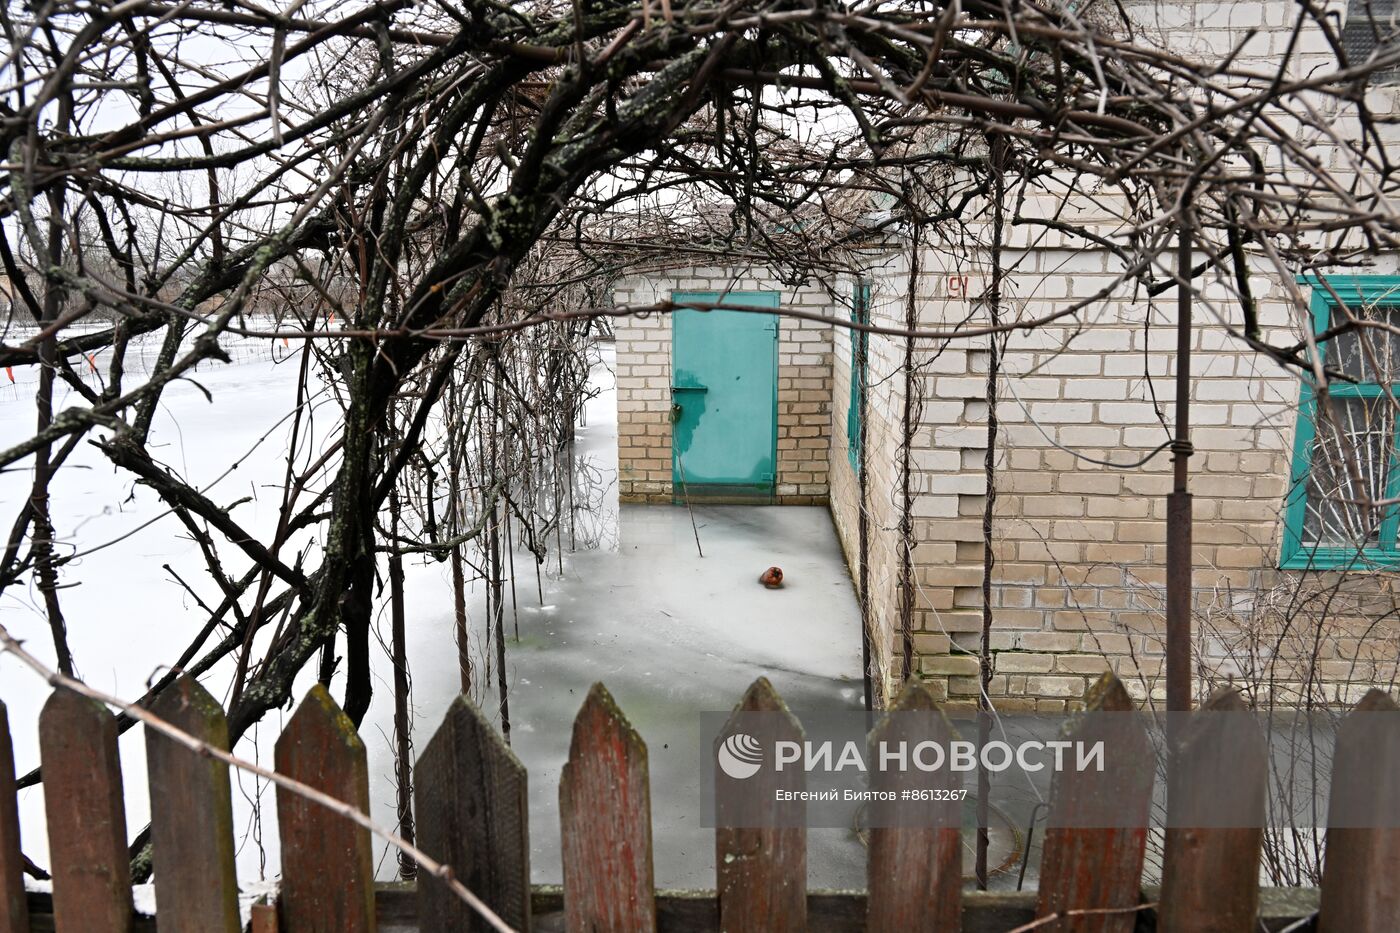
(862, 483)
(1179, 501)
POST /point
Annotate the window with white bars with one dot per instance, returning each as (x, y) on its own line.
(1345, 476)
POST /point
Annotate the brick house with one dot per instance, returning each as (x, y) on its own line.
(1293, 589)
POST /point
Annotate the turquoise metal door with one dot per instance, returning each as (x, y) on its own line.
(724, 396)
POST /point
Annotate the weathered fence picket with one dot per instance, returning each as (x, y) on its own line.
(262, 918)
(14, 912)
(1362, 863)
(1210, 875)
(914, 873)
(191, 815)
(762, 870)
(86, 815)
(1088, 867)
(471, 811)
(605, 824)
(327, 861)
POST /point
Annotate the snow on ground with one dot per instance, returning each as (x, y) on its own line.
(671, 634)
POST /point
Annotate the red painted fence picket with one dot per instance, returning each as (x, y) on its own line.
(915, 872)
(762, 870)
(327, 861)
(1358, 879)
(1210, 873)
(86, 816)
(1086, 866)
(605, 822)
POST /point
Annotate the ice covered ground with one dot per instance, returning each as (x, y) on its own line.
(127, 618)
(670, 633)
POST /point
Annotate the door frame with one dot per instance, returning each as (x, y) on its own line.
(728, 492)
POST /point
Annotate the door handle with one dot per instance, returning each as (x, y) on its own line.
(690, 388)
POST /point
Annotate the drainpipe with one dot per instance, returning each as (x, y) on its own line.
(1179, 501)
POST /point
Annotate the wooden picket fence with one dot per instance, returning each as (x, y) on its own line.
(470, 803)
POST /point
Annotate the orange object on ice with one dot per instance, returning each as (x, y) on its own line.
(10, 372)
(772, 578)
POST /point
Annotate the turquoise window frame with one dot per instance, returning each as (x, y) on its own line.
(1295, 555)
(860, 347)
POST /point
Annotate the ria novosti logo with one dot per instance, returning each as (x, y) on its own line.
(740, 756)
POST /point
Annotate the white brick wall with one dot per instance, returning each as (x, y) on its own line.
(1079, 547)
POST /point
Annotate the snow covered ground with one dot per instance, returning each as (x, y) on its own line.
(671, 634)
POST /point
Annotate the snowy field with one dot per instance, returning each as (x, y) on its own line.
(670, 634)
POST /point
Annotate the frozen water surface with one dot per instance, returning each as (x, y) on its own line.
(127, 619)
(671, 634)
